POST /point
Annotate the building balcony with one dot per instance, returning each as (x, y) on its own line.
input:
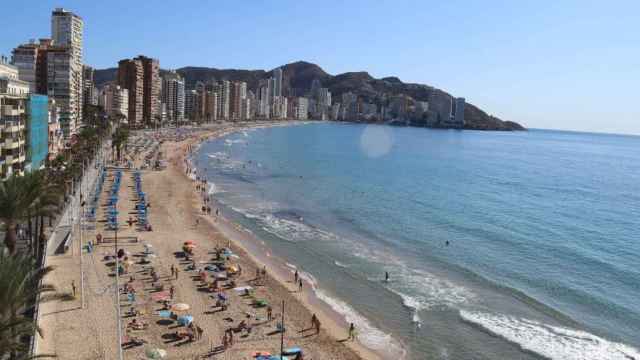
(11, 128)
(15, 159)
(9, 111)
(13, 143)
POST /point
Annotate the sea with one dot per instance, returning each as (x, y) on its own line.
(498, 245)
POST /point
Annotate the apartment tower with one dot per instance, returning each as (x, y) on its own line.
(64, 68)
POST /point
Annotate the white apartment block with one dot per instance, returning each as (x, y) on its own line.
(64, 67)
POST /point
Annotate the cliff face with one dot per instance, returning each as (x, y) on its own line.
(298, 76)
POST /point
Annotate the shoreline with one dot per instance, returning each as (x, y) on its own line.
(278, 269)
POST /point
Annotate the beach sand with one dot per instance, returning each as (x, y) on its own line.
(71, 332)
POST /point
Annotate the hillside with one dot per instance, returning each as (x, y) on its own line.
(298, 76)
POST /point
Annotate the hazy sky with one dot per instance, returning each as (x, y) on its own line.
(556, 64)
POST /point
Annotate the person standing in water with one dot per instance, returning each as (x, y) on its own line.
(352, 332)
(386, 276)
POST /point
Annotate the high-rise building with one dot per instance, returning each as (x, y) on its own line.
(151, 86)
(115, 101)
(457, 111)
(277, 76)
(301, 108)
(31, 61)
(14, 95)
(190, 104)
(173, 95)
(141, 76)
(279, 108)
(237, 100)
(225, 100)
(37, 131)
(264, 98)
(88, 87)
(63, 86)
(130, 77)
(67, 36)
(211, 100)
(56, 138)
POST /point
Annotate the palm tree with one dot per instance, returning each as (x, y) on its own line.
(46, 204)
(20, 286)
(119, 139)
(17, 195)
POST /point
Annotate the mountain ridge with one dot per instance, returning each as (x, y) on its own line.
(298, 76)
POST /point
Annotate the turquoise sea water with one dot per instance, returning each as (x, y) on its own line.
(543, 230)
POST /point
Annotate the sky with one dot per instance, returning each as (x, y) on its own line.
(571, 65)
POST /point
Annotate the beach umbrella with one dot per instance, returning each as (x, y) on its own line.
(185, 320)
(155, 353)
(148, 245)
(180, 307)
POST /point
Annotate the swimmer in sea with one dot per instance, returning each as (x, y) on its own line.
(386, 276)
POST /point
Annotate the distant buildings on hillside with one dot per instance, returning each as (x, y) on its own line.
(46, 79)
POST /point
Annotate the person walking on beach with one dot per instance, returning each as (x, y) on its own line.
(269, 313)
(73, 288)
(352, 332)
(295, 276)
(314, 319)
(173, 270)
(300, 285)
(177, 273)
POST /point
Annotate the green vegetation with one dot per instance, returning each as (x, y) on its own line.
(20, 286)
(32, 202)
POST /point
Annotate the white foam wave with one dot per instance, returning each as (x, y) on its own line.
(229, 142)
(413, 304)
(293, 231)
(212, 189)
(552, 342)
(309, 278)
(218, 155)
(418, 289)
(291, 266)
(368, 334)
(339, 264)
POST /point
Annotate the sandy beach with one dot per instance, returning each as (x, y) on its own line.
(175, 215)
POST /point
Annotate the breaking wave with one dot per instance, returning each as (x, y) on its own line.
(552, 342)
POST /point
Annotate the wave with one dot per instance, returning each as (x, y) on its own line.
(229, 142)
(368, 334)
(339, 264)
(212, 189)
(552, 342)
